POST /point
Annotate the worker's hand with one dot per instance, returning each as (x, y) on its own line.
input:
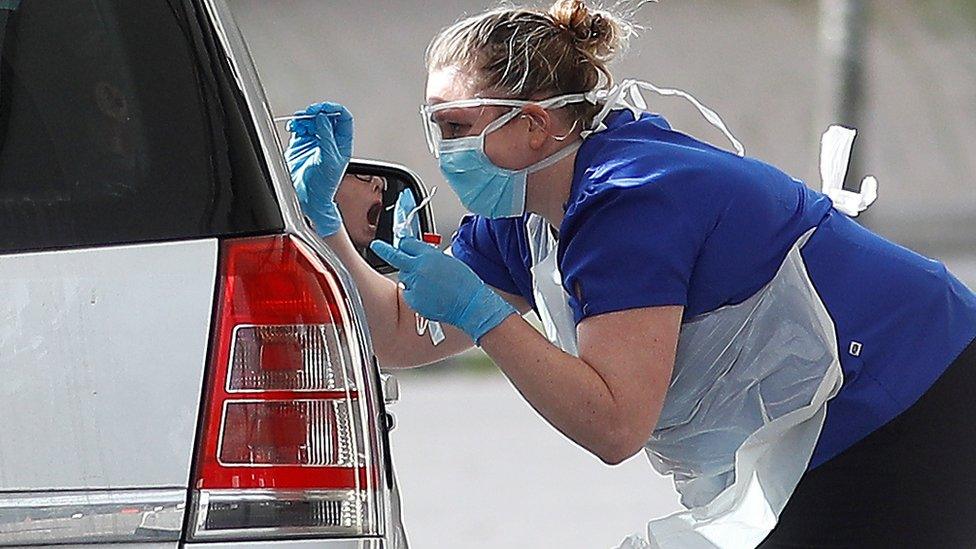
(317, 156)
(440, 287)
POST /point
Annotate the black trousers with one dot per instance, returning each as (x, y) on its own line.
(911, 483)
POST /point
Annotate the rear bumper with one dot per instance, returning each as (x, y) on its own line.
(146, 516)
(366, 543)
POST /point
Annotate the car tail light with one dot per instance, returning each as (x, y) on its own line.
(285, 448)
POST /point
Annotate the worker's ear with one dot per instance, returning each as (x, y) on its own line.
(539, 123)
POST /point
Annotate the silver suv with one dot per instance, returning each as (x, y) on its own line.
(182, 361)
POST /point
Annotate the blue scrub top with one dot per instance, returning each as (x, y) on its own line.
(656, 217)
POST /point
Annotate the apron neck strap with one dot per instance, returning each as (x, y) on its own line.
(627, 95)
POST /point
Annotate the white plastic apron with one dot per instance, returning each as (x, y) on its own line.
(551, 300)
(744, 408)
(745, 405)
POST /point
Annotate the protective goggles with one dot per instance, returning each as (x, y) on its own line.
(365, 178)
(432, 115)
(626, 95)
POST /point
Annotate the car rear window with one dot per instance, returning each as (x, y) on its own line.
(119, 123)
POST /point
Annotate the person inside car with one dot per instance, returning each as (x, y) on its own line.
(360, 202)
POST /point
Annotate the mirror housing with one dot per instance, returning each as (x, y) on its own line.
(397, 178)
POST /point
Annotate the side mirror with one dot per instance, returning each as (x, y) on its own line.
(366, 197)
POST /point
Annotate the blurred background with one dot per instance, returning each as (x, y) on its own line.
(478, 468)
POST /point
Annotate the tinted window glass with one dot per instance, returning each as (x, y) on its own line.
(119, 123)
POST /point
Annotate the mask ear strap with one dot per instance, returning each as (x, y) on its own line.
(559, 155)
(567, 134)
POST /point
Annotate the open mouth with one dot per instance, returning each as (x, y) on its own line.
(373, 214)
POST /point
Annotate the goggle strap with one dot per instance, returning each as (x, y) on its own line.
(501, 121)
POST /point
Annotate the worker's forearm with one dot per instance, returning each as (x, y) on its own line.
(392, 323)
(564, 389)
(378, 293)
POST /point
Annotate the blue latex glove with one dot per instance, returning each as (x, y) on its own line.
(440, 287)
(317, 156)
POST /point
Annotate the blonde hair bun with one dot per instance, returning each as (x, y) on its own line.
(522, 52)
(597, 33)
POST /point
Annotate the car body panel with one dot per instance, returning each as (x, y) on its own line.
(102, 359)
(104, 352)
(149, 545)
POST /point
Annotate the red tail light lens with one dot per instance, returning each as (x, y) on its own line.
(284, 450)
(286, 432)
(288, 358)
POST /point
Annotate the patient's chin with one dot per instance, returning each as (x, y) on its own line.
(362, 236)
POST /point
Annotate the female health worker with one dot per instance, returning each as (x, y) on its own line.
(805, 382)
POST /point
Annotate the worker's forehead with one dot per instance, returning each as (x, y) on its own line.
(449, 84)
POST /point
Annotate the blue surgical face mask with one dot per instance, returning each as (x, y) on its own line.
(483, 187)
